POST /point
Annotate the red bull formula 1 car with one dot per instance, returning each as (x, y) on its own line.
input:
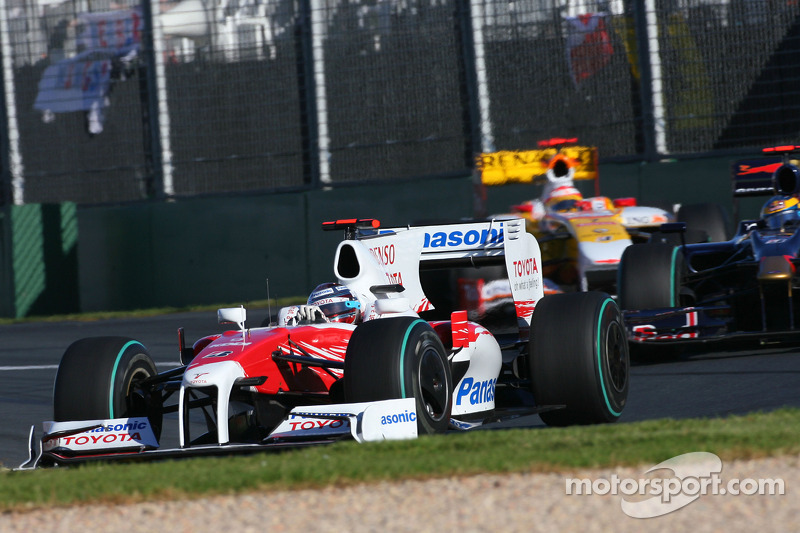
(391, 375)
(745, 287)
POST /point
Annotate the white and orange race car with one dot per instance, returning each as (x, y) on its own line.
(383, 373)
(582, 239)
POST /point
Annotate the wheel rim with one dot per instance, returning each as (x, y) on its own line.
(433, 383)
(615, 356)
(138, 375)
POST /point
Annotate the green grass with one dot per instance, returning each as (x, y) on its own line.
(461, 454)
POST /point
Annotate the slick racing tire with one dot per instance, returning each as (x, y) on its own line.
(401, 357)
(578, 358)
(649, 276)
(704, 222)
(101, 378)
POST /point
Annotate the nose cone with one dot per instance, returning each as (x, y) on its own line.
(221, 375)
(602, 255)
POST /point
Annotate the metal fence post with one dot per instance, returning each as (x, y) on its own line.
(5, 147)
(12, 187)
(469, 79)
(478, 126)
(155, 112)
(650, 87)
(318, 34)
(304, 49)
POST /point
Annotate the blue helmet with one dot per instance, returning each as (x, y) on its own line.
(779, 210)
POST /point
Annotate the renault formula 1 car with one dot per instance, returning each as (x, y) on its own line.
(745, 287)
(393, 375)
(582, 239)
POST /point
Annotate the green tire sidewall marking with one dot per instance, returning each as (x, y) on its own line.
(114, 376)
(599, 358)
(403, 355)
(672, 280)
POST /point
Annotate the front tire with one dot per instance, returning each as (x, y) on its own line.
(578, 358)
(401, 358)
(102, 377)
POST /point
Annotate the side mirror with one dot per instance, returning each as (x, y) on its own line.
(232, 315)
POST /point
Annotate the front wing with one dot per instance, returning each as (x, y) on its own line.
(121, 438)
(689, 325)
(65, 443)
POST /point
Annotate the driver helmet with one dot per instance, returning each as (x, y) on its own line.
(336, 302)
(563, 199)
(779, 210)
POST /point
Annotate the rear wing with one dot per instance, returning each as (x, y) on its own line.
(384, 263)
(753, 177)
(776, 173)
(528, 166)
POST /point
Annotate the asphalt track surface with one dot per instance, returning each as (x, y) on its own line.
(707, 382)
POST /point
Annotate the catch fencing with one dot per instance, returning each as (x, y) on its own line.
(125, 101)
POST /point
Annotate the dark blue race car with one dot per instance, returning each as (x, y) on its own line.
(745, 287)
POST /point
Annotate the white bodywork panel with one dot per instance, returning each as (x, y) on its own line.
(94, 436)
(393, 256)
(365, 422)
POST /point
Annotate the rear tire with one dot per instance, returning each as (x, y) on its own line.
(578, 357)
(649, 276)
(704, 222)
(101, 377)
(401, 358)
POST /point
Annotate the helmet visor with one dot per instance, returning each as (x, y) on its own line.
(339, 311)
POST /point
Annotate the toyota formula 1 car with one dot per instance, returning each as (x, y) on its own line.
(745, 287)
(393, 375)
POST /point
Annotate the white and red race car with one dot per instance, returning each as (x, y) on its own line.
(393, 375)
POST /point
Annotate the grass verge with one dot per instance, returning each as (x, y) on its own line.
(456, 454)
